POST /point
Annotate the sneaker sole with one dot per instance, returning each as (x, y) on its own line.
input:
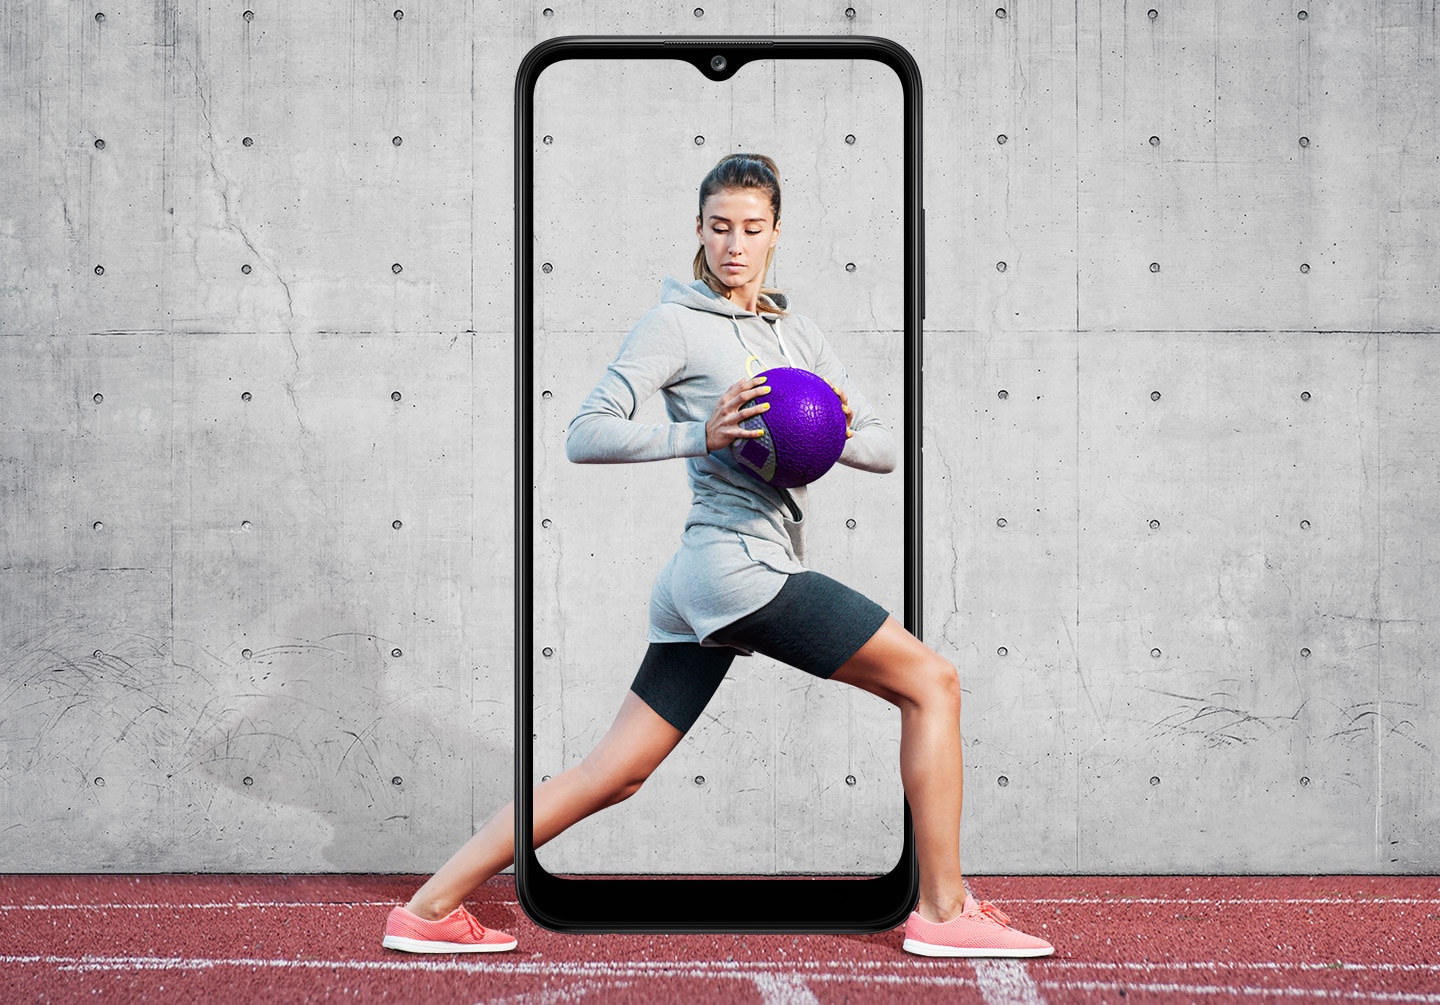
(405, 945)
(930, 949)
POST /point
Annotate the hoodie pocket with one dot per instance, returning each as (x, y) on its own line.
(769, 554)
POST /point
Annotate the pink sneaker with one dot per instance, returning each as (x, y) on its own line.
(981, 930)
(457, 932)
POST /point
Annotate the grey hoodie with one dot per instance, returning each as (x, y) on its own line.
(742, 538)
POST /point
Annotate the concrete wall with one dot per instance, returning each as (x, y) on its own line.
(255, 525)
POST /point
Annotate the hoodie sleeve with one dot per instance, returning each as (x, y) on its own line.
(603, 432)
(873, 446)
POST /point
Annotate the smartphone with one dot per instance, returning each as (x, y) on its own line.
(782, 808)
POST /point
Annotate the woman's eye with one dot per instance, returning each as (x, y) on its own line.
(752, 233)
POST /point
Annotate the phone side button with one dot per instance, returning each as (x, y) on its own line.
(922, 263)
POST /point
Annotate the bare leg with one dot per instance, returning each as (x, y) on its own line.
(634, 746)
(905, 672)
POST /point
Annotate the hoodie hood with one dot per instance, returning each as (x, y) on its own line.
(700, 297)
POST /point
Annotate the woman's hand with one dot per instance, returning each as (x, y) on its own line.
(735, 406)
(845, 405)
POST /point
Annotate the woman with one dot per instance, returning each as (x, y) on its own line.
(737, 583)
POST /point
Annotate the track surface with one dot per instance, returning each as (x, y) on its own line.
(1136, 940)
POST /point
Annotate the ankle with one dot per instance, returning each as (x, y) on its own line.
(427, 909)
(941, 910)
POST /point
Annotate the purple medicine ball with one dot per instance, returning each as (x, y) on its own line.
(804, 430)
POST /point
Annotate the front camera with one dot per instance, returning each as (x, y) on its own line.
(717, 63)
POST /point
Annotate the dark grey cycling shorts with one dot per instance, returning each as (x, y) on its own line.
(814, 624)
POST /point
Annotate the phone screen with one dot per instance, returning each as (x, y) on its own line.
(784, 774)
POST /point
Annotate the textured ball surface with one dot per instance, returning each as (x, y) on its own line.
(804, 430)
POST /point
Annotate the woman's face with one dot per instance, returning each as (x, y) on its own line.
(738, 230)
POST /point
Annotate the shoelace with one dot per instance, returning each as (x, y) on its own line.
(476, 929)
(994, 913)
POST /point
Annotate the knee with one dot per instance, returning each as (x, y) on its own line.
(618, 784)
(940, 682)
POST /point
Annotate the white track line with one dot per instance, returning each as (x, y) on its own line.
(784, 982)
(219, 905)
(784, 989)
(1006, 982)
(1226, 901)
(1265, 992)
(1336, 967)
(1087, 901)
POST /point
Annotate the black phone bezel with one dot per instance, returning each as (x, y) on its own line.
(723, 903)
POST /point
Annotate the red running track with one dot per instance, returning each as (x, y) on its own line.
(1137, 940)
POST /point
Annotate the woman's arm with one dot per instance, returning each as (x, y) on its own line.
(604, 432)
(872, 446)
